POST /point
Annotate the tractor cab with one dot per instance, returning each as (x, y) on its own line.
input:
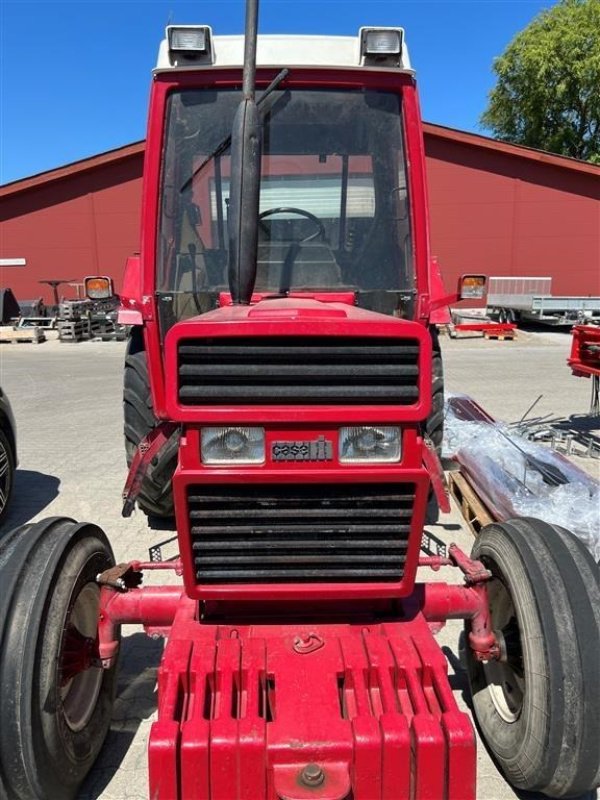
(336, 206)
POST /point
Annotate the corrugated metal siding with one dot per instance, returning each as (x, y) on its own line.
(85, 224)
(498, 214)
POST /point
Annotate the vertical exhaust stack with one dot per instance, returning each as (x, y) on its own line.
(245, 174)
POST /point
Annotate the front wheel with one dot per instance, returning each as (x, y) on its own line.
(7, 473)
(56, 699)
(538, 707)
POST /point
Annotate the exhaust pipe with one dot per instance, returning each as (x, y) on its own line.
(244, 191)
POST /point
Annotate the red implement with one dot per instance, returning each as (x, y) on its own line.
(585, 351)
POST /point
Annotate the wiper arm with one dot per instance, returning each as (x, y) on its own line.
(220, 149)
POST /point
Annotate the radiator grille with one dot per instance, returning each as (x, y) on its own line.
(300, 533)
(293, 370)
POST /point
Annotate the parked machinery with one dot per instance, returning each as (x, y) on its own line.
(284, 399)
(584, 359)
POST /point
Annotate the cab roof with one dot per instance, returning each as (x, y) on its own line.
(275, 50)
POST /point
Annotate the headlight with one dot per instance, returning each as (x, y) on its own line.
(233, 445)
(370, 444)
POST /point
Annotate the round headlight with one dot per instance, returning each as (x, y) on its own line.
(367, 439)
(235, 440)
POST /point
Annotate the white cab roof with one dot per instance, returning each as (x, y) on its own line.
(285, 51)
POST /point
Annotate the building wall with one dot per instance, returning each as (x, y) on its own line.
(498, 214)
(491, 212)
(84, 224)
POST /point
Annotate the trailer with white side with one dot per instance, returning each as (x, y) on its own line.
(530, 299)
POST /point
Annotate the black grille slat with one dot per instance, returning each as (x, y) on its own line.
(301, 532)
(337, 499)
(305, 545)
(279, 513)
(312, 575)
(249, 393)
(310, 350)
(289, 370)
(328, 529)
(302, 370)
(305, 558)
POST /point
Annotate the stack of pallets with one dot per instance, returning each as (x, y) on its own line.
(74, 324)
(75, 330)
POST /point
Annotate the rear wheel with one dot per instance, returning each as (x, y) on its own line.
(156, 496)
(57, 700)
(538, 708)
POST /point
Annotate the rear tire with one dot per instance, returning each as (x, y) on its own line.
(54, 722)
(539, 708)
(156, 496)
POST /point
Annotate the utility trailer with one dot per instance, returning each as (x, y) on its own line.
(284, 401)
(531, 300)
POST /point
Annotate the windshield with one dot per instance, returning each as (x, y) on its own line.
(333, 199)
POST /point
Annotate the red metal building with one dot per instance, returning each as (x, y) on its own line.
(496, 209)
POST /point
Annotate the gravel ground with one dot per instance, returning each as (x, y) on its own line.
(66, 399)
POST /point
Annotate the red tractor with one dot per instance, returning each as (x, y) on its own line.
(283, 399)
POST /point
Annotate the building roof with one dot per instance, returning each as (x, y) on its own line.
(518, 150)
(66, 171)
(436, 131)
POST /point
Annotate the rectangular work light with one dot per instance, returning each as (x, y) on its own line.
(98, 287)
(190, 43)
(381, 45)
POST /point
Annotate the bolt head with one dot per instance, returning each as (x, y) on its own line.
(312, 775)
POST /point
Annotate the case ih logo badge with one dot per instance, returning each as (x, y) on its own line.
(318, 450)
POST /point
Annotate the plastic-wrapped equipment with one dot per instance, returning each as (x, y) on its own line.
(518, 478)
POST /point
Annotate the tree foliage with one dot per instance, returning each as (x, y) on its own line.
(548, 90)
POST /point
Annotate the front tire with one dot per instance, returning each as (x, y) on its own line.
(55, 711)
(538, 708)
(7, 473)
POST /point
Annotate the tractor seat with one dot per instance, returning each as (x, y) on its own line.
(313, 268)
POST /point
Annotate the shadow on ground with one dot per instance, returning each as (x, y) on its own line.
(581, 426)
(135, 702)
(32, 492)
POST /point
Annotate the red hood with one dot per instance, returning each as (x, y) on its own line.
(298, 319)
(285, 309)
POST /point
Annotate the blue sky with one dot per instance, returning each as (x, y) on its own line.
(74, 76)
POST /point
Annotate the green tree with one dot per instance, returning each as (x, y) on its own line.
(548, 90)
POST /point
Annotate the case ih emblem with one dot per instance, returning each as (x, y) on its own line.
(319, 449)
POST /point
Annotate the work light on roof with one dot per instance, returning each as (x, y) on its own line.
(189, 43)
(379, 45)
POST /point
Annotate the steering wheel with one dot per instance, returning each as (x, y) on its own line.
(320, 232)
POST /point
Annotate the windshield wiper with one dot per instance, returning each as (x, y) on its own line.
(222, 146)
